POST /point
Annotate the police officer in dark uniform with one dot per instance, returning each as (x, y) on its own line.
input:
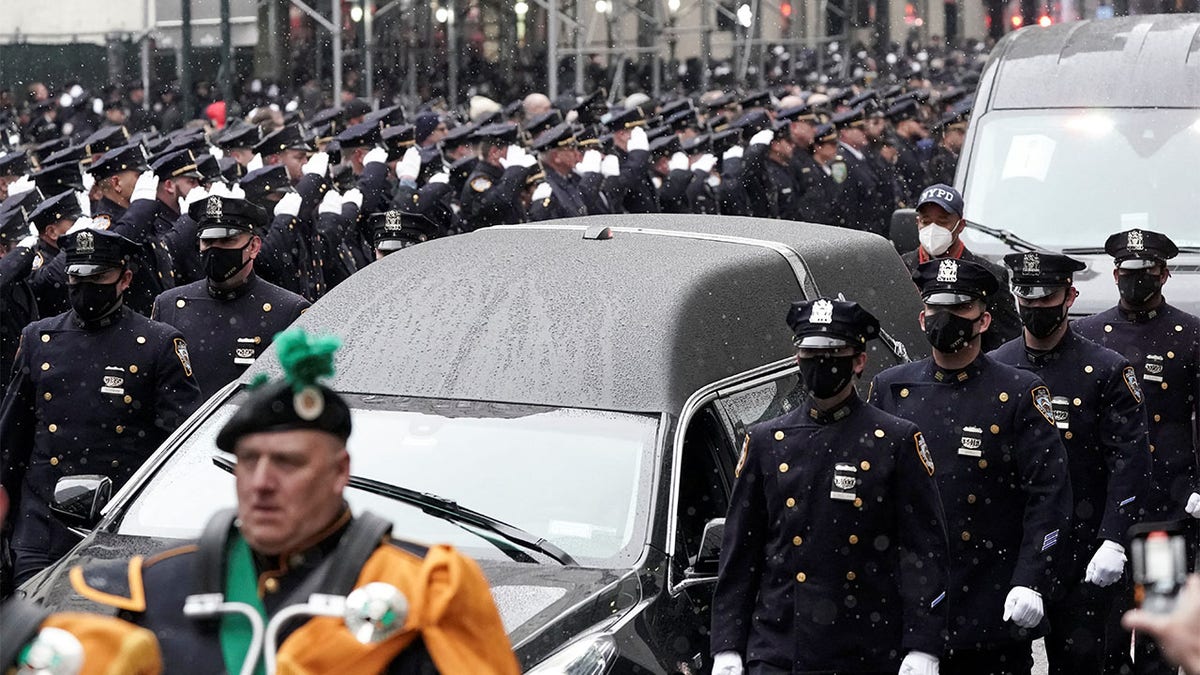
(395, 230)
(116, 173)
(631, 191)
(821, 177)
(951, 130)
(834, 500)
(18, 306)
(864, 197)
(1001, 471)
(940, 223)
(490, 195)
(558, 154)
(781, 174)
(292, 534)
(1098, 410)
(94, 390)
(230, 316)
(910, 169)
(51, 218)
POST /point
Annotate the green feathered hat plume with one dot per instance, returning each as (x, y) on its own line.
(305, 358)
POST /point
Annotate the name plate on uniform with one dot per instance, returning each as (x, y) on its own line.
(971, 443)
(114, 380)
(845, 480)
(1062, 411)
(245, 352)
(1154, 368)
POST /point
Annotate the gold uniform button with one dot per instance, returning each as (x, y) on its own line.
(904, 393)
(801, 576)
(858, 501)
(45, 338)
(970, 499)
(851, 576)
(1077, 402)
(47, 396)
(983, 463)
(257, 339)
(46, 366)
(53, 428)
(1003, 396)
(120, 429)
(779, 435)
(966, 536)
(1151, 448)
(53, 461)
(133, 369)
(1157, 417)
(1164, 385)
(1170, 355)
(266, 306)
(128, 398)
(1088, 369)
(1107, 328)
(995, 429)
(879, 433)
(865, 465)
(141, 340)
(180, 303)
(1068, 435)
(791, 502)
(854, 539)
(783, 468)
(797, 540)
(271, 585)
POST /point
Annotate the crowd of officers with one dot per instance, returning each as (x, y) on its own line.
(976, 500)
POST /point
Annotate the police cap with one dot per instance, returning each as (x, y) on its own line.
(542, 122)
(956, 119)
(332, 117)
(711, 101)
(758, 99)
(177, 164)
(15, 163)
(855, 117)
(54, 178)
(208, 168)
(826, 323)
(681, 120)
(354, 108)
(1037, 274)
(624, 118)
(498, 134)
(949, 281)
(14, 215)
(394, 229)
(696, 145)
(125, 158)
(104, 140)
(1139, 249)
(238, 135)
(463, 134)
(359, 135)
(266, 180)
(461, 169)
(665, 146)
(71, 153)
(587, 137)
(906, 109)
(50, 147)
(674, 107)
(825, 133)
(724, 140)
(60, 207)
(388, 117)
(188, 139)
(752, 122)
(798, 113)
(555, 137)
(91, 251)
(288, 137)
(231, 170)
(945, 196)
(397, 140)
(218, 217)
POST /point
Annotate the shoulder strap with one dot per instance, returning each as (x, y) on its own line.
(210, 558)
(19, 622)
(360, 541)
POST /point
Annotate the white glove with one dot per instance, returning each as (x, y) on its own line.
(196, 194)
(85, 204)
(439, 177)
(256, 162)
(727, 663)
(1024, 606)
(317, 164)
(611, 166)
(542, 191)
(352, 195)
(678, 162)
(289, 205)
(83, 222)
(409, 166)
(516, 156)
(1107, 565)
(763, 137)
(1193, 503)
(89, 182)
(24, 184)
(733, 153)
(705, 163)
(331, 203)
(590, 162)
(919, 663)
(146, 187)
(28, 241)
(375, 156)
(638, 140)
(217, 153)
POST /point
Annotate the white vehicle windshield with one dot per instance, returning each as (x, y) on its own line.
(577, 478)
(1069, 178)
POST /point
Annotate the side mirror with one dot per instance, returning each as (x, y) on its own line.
(78, 500)
(903, 231)
(708, 558)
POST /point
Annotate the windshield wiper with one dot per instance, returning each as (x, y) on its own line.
(449, 510)
(1084, 250)
(1007, 238)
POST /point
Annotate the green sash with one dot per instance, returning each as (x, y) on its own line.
(241, 585)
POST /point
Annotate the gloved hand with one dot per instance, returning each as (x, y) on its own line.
(1107, 565)
(409, 166)
(28, 241)
(516, 156)
(590, 162)
(1024, 606)
(733, 153)
(146, 187)
(611, 166)
(763, 137)
(217, 153)
(678, 162)
(22, 185)
(256, 162)
(89, 182)
(919, 663)
(85, 204)
(439, 177)
(353, 195)
(705, 163)
(317, 164)
(727, 663)
(375, 156)
(196, 194)
(331, 203)
(289, 205)
(81, 223)
(542, 191)
(638, 140)
(1193, 502)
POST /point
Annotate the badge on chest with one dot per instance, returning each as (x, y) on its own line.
(245, 351)
(1154, 368)
(114, 381)
(971, 443)
(1062, 411)
(845, 480)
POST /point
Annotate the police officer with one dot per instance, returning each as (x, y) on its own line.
(834, 500)
(51, 218)
(94, 390)
(1098, 410)
(951, 131)
(291, 535)
(821, 177)
(18, 306)
(230, 316)
(116, 172)
(940, 225)
(631, 190)
(395, 230)
(864, 196)
(558, 154)
(490, 195)
(1001, 472)
(781, 173)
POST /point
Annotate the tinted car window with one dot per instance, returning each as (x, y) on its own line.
(578, 478)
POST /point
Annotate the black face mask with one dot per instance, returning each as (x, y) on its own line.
(949, 332)
(1041, 321)
(93, 301)
(1138, 287)
(222, 264)
(825, 376)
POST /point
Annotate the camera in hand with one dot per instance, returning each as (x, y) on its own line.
(1159, 557)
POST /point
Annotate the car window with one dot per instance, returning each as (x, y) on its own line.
(763, 402)
(578, 478)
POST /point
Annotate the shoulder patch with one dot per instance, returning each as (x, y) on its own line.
(38, 260)
(481, 183)
(102, 222)
(923, 453)
(181, 351)
(737, 472)
(112, 584)
(1041, 401)
(1130, 378)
